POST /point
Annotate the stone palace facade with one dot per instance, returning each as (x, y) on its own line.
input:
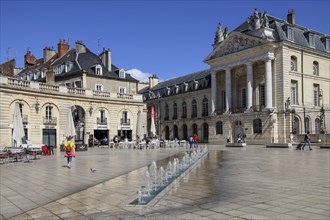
(268, 78)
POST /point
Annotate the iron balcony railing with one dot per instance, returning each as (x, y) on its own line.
(50, 121)
(101, 121)
(125, 121)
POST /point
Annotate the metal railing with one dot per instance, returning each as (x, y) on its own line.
(102, 121)
(50, 121)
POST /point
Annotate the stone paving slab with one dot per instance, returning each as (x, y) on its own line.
(230, 183)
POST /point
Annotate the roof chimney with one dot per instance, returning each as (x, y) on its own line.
(80, 47)
(291, 17)
(48, 53)
(153, 81)
(50, 77)
(106, 59)
(62, 48)
(29, 59)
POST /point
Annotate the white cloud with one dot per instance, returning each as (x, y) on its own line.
(139, 75)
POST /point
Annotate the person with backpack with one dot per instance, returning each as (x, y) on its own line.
(69, 150)
(307, 140)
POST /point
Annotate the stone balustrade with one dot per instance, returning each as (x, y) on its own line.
(62, 90)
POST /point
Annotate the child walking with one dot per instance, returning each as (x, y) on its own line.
(69, 150)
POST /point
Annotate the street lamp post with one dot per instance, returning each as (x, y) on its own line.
(158, 115)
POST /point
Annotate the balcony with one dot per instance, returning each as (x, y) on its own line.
(50, 121)
(238, 110)
(125, 121)
(102, 121)
(257, 108)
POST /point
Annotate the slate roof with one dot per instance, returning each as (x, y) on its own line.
(300, 37)
(86, 61)
(162, 87)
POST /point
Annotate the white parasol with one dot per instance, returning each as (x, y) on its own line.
(18, 128)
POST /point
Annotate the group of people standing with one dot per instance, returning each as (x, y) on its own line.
(193, 141)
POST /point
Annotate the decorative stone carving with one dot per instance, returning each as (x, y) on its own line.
(257, 22)
(220, 35)
(235, 45)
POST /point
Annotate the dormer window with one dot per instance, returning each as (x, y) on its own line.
(122, 74)
(186, 86)
(99, 87)
(311, 40)
(196, 85)
(168, 91)
(326, 43)
(290, 34)
(176, 89)
(98, 70)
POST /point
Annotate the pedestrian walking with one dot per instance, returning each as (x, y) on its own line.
(195, 140)
(191, 141)
(307, 140)
(69, 150)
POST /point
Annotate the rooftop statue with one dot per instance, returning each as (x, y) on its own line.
(257, 22)
(218, 34)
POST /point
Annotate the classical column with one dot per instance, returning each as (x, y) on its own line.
(213, 91)
(249, 84)
(269, 83)
(228, 89)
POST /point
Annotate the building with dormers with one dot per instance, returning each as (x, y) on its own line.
(268, 78)
(102, 98)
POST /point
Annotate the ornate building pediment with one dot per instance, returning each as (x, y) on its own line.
(235, 42)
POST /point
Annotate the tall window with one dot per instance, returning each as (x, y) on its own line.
(316, 90)
(122, 89)
(218, 128)
(315, 68)
(307, 124)
(167, 112)
(21, 108)
(295, 126)
(175, 111)
(223, 98)
(317, 126)
(125, 117)
(205, 107)
(293, 63)
(194, 128)
(98, 87)
(49, 112)
(102, 115)
(262, 100)
(194, 108)
(184, 109)
(257, 126)
(294, 92)
(243, 96)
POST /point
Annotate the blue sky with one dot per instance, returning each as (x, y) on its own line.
(166, 38)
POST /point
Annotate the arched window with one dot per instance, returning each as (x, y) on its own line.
(295, 126)
(167, 133)
(49, 110)
(184, 110)
(194, 129)
(307, 125)
(257, 126)
(175, 132)
(205, 132)
(175, 111)
(184, 132)
(194, 109)
(167, 112)
(219, 128)
(293, 63)
(315, 68)
(205, 107)
(317, 126)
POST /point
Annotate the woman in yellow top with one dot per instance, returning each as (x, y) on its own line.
(69, 149)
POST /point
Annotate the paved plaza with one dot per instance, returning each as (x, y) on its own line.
(253, 182)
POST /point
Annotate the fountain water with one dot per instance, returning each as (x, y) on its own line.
(157, 180)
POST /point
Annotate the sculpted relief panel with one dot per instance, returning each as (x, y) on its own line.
(234, 45)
